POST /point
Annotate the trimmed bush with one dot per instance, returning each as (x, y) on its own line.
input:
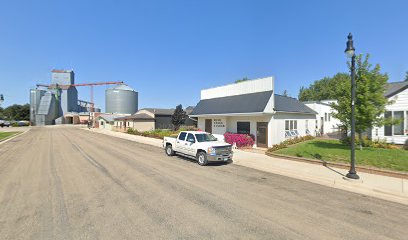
(241, 140)
(130, 131)
(366, 142)
(158, 133)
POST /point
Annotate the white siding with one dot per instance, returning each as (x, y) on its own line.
(232, 124)
(322, 110)
(104, 124)
(218, 127)
(246, 87)
(277, 125)
(400, 104)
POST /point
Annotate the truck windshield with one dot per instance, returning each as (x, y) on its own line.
(205, 137)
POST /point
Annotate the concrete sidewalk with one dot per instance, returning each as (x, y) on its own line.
(388, 188)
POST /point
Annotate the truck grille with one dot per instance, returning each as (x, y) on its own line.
(223, 150)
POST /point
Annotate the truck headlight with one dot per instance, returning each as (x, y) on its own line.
(211, 151)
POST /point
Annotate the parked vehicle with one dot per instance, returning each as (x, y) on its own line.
(4, 123)
(202, 146)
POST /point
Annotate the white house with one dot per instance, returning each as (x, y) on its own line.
(252, 107)
(398, 93)
(325, 122)
(106, 121)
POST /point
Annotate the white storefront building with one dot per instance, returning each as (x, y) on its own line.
(252, 107)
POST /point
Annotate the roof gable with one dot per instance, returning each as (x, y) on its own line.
(394, 88)
(292, 105)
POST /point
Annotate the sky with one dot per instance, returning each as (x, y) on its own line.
(169, 50)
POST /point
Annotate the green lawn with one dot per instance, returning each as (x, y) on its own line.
(334, 151)
(6, 134)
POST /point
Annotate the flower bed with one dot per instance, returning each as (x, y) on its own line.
(241, 140)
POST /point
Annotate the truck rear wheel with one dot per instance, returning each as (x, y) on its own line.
(202, 158)
(169, 150)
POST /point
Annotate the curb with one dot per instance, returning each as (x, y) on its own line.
(371, 170)
(4, 140)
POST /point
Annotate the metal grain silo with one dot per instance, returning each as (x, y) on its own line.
(121, 99)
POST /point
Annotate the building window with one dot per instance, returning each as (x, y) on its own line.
(243, 127)
(399, 127)
(291, 128)
(406, 127)
(329, 115)
(325, 117)
(388, 128)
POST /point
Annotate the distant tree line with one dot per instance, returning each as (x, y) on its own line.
(15, 112)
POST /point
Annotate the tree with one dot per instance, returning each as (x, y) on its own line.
(179, 117)
(242, 80)
(16, 112)
(285, 93)
(323, 89)
(406, 76)
(370, 100)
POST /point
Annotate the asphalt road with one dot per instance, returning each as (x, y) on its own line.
(67, 183)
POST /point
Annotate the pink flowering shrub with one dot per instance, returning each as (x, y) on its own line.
(241, 140)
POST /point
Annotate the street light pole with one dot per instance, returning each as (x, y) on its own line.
(350, 51)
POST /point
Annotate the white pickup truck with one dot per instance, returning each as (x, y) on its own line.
(202, 146)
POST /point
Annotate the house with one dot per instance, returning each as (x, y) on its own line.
(325, 122)
(397, 92)
(106, 121)
(148, 119)
(252, 107)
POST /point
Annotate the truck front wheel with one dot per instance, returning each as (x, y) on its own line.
(169, 150)
(202, 158)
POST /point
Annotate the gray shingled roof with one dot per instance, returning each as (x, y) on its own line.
(160, 111)
(395, 88)
(288, 104)
(245, 103)
(137, 116)
(249, 103)
(166, 111)
(109, 117)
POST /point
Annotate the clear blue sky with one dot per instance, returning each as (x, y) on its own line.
(169, 50)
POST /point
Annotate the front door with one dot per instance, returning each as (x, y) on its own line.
(262, 134)
(208, 125)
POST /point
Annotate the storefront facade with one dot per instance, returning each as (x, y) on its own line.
(251, 107)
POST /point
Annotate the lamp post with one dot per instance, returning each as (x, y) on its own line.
(350, 52)
(1, 99)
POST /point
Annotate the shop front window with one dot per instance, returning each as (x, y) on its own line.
(243, 127)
